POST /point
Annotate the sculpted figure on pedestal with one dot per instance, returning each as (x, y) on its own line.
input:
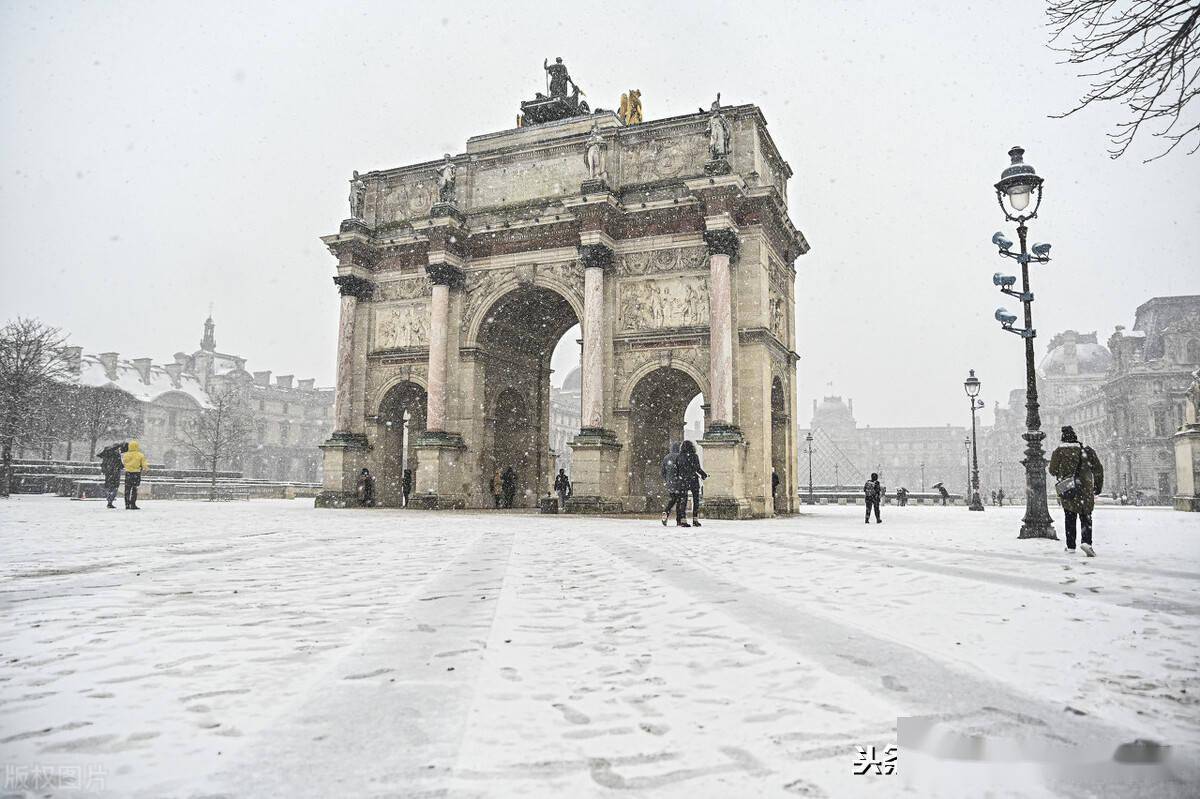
(595, 155)
(719, 131)
(631, 107)
(358, 196)
(445, 180)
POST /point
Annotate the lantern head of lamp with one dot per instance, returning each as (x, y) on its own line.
(1004, 281)
(1041, 250)
(1001, 241)
(1005, 317)
(1016, 186)
(972, 385)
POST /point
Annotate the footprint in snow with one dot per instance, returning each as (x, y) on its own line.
(571, 714)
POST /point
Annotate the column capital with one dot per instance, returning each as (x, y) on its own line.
(721, 242)
(354, 286)
(445, 273)
(596, 256)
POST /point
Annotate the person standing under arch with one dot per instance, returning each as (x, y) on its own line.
(676, 488)
(690, 474)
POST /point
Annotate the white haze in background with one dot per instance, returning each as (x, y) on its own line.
(159, 156)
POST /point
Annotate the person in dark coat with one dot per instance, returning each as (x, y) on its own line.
(1073, 460)
(406, 485)
(1000, 497)
(508, 483)
(496, 488)
(873, 492)
(690, 473)
(111, 466)
(676, 488)
(774, 483)
(902, 496)
(945, 494)
(366, 489)
(562, 485)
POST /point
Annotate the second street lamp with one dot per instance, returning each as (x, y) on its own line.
(808, 437)
(972, 385)
(1018, 184)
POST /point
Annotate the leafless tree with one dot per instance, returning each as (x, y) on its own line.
(220, 433)
(1138, 52)
(31, 362)
(99, 411)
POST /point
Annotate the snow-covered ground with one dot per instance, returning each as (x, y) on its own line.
(270, 649)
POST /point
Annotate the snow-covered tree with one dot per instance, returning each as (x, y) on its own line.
(32, 361)
(220, 433)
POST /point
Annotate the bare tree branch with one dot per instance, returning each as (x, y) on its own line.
(221, 433)
(1143, 51)
(32, 360)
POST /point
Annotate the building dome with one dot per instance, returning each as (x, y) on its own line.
(1073, 353)
(573, 381)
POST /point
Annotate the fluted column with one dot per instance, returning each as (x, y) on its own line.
(443, 276)
(596, 259)
(352, 290)
(722, 247)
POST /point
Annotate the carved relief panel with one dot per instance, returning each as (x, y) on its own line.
(402, 325)
(659, 159)
(656, 303)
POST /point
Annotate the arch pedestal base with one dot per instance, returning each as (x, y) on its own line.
(345, 456)
(441, 484)
(594, 456)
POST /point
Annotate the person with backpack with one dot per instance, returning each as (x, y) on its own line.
(562, 485)
(873, 492)
(508, 483)
(111, 466)
(676, 488)
(366, 489)
(1080, 478)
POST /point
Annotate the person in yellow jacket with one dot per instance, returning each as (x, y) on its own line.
(135, 466)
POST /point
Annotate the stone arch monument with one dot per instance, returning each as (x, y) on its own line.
(458, 276)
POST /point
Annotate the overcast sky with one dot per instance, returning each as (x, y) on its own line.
(160, 156)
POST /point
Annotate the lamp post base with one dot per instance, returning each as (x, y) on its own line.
(1037, 522)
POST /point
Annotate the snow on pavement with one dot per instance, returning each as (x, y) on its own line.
(270, 649)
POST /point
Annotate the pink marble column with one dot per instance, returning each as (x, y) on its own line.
(722, 246)
(439, 321)
(593, 347)
(352, 289)
(720, 348)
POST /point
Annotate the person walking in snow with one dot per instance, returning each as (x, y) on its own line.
(496, 487)
(690, 473)
(111, 466)
(676, 489)
(366, 489)
(1000, 497)
(774, 484)
(136, 465)
(902, 496)
(508, 483)
(873, 492)
(1080, 478)
(406, 485)
(945, 494)
(562, 485)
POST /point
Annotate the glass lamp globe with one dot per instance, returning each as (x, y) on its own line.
(972, 385)
(1018, 198)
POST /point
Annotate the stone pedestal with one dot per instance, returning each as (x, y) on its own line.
(594, 458)
(724, 491)
(345, 455)
(441, 477)
(1187, 461)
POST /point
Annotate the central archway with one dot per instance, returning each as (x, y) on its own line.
(657, 407)
(517, 338)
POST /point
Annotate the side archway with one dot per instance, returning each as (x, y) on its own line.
(402, 413)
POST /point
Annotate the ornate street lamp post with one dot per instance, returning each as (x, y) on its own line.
(972, 385)
(808, 437)
(1016, 188)
(967, 456)
(922, 479)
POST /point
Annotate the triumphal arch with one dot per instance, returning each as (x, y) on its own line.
(668, 241)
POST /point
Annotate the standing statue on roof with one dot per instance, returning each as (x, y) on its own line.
(358, 196)
(445, 180)
(720, 133)
(631, 107)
